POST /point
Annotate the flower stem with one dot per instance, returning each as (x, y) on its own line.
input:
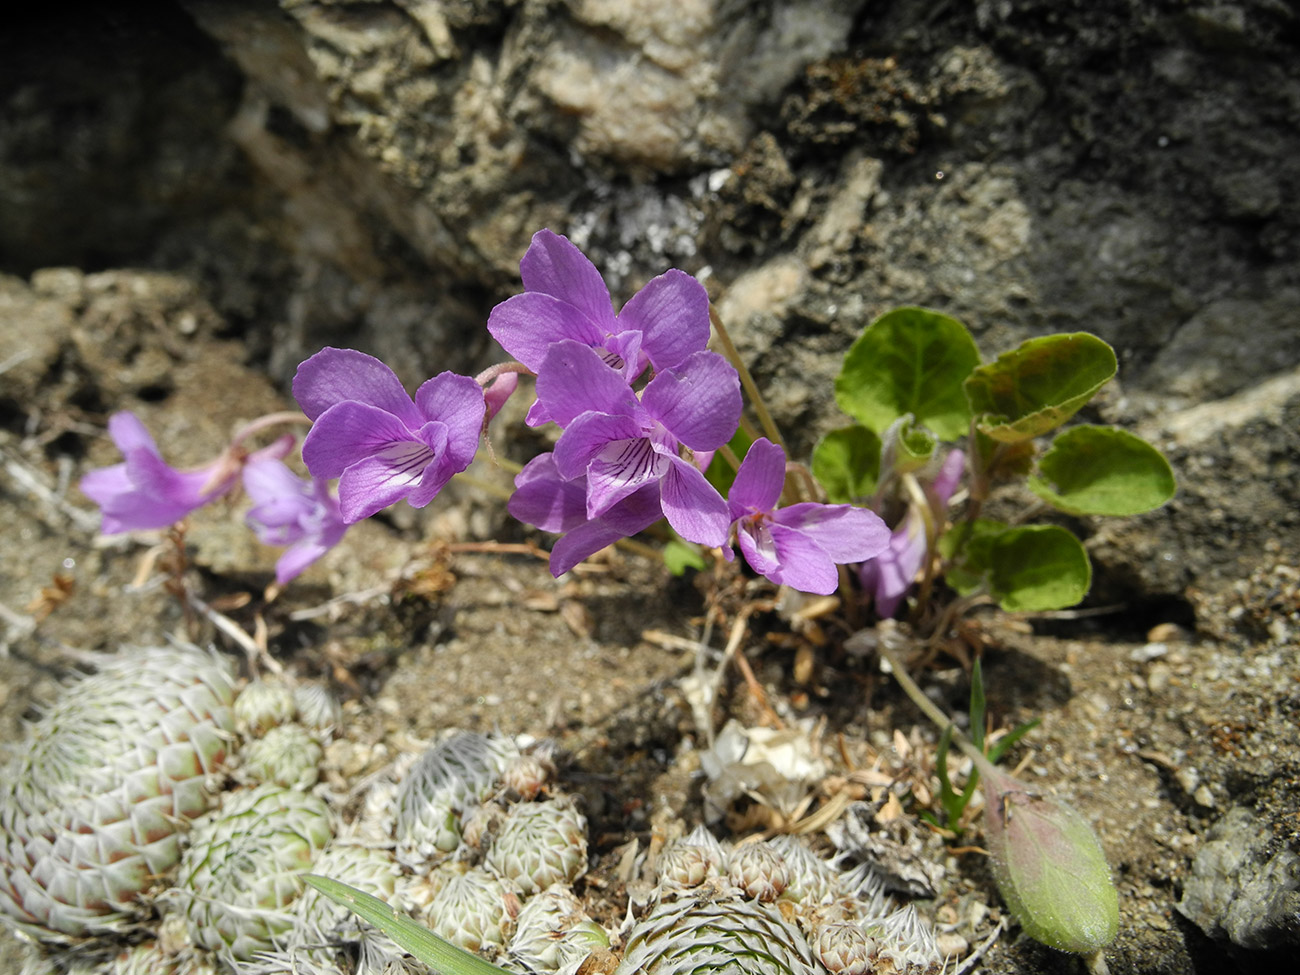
(746, 380)
(269, 420)
(935, 713)
(486, 377)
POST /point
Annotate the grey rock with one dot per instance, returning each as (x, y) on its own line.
(1243, 888)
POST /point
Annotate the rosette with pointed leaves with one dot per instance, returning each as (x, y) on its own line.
(474, 910)
(264, 704)
(553, 931)
(540, 844)
(810, 880)
(318, 708)
(845, 949)
(243, 870)
(323, 929)
(905, 943)
(92, 808)
(729, 936)
(448, 779)
(287, 755)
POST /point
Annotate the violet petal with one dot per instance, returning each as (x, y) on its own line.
(334, 376)
(698, 401)
(672, 311)
(554, 266)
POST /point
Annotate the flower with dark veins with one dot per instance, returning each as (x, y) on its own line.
(565, 297)
(545, 499)
(798, 545)
(381, 445)
(621, 443)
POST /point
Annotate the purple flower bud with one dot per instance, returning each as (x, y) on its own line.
(1049, 866)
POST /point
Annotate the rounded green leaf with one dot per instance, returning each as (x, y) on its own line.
(1038, 567)
(909, 360)
(968, 549)
(846, 463)
(1038, 386)
(1092, 470)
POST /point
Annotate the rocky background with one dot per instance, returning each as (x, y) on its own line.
(365, 173)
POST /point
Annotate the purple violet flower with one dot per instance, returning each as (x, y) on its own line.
(146, 492)
(545, 499)
(288, 511)
(621, 443)
(890, 575)
(799, 545)
(369, 434)
(565, 297)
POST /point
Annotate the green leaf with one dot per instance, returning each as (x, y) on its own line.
(439, 954)
(846, 463)
(1092, 470)
(1038, 386)
(977, 705)
(680, 555)
(1010, 738)
(909, 360)
(1038, 567)
(720, 473)
(968, 547)
(1049, 867)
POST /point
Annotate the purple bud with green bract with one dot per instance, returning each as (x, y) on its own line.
(1049, 866)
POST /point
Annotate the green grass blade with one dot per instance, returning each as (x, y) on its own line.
(438, 953)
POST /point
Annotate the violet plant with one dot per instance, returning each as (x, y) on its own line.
(652, 429)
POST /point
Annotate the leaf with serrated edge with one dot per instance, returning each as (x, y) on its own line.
(1039, 385)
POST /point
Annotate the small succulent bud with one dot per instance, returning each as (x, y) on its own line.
(263, 705)
(287, 755)
(685, 865)
(448, 779)
(758, 870)
(318, 709)
(1050, 867)
(845, 949)
(554, 932)
(527, 776)
(473, 910)
(540, 844)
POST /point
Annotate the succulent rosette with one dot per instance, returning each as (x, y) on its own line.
(93, 808)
